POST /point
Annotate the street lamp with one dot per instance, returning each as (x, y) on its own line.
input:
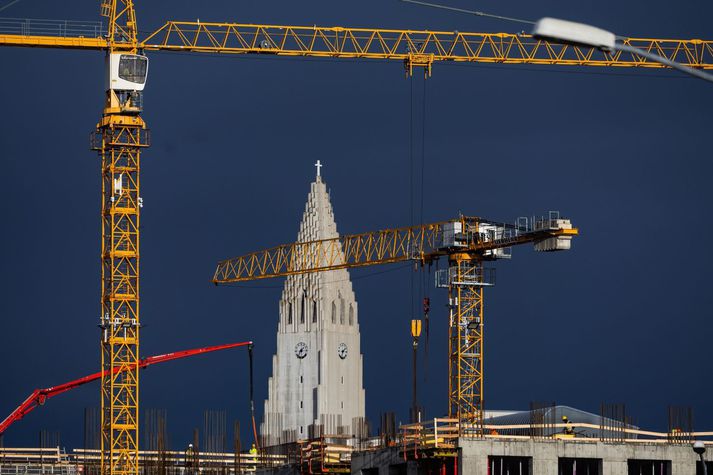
(700, 448)
(568, 32)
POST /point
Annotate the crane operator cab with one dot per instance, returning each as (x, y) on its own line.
(126, 78)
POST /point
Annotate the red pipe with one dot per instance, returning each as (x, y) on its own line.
(39, 396)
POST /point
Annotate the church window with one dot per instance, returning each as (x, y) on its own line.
(314, 311)
(289, 313)
(341, 311)
(301, 408)
(342, 379)
(334, 312)
(351, 315)
(302, 310)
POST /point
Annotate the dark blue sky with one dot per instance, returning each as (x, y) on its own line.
(624, 317)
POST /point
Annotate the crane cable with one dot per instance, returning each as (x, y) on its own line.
(411, 186)
(470, 12)
(252, 400)
(9, 5)
(424, 281)
(412, 171)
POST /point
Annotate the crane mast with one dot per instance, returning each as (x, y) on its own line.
(121, 22)
(465, 342)
(119, 138)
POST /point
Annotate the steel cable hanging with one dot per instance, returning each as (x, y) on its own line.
(423, 282)
(470, 12)
(411, 185)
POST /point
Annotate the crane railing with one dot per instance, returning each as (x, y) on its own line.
(52, 33)
(39, 27)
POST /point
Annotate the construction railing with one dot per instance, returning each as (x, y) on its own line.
(35, 461)
(435, 435)
(177, 462)
(437, 438)
(440, 436)
(570, 430)
(326, 454)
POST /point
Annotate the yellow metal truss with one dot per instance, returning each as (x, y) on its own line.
(119, 140)
(465, 342)
(419, 242)
(121, 17)
(413, 47)
(416, 48)
(378, 247)
(121, 136)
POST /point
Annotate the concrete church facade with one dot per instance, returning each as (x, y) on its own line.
(317, 380)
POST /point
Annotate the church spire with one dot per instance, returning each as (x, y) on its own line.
(318, 217)
(317, 383)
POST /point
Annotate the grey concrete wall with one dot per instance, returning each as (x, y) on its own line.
(545, 455)
(376, 463)
(473, 458)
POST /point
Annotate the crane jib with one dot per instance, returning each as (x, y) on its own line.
(476, 237)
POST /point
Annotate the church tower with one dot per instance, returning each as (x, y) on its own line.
(316, 385)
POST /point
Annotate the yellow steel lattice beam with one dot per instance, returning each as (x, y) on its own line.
(119, 140)
(420, 242)
(465, 344)
(356, 250)
(415, 48)
(122, 24)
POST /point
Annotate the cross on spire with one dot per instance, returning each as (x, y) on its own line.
(318, 165)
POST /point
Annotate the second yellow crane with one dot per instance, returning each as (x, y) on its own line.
(466, 242)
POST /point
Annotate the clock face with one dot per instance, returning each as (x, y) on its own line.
(342, 350)
(301, 349)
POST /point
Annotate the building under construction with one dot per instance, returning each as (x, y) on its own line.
(314, 420)
(436, 446)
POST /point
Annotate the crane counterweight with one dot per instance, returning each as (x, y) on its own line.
(562, 242)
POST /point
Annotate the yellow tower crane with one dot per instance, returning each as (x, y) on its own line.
(121, 135)
(466, 242)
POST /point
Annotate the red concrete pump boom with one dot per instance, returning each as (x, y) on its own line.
(39, 396)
